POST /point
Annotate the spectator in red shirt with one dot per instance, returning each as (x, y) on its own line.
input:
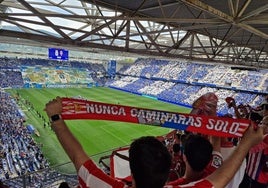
(256, 175)
(199, 159)
(146, 152)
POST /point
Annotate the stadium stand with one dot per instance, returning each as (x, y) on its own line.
(180, 82)
(20, 153)
(22, 161)
(177, 82)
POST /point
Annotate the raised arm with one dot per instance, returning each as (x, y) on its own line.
(216, 143)
(69, 143)
(234, 106)
(225, 173)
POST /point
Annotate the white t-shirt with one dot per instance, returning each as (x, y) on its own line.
(226, 151)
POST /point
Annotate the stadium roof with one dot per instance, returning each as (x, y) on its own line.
(230, 31)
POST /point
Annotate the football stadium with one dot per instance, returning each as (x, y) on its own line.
(125, 70)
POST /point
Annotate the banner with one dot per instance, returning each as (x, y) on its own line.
(218, 126)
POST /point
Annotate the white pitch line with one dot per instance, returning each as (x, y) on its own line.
(102, 127)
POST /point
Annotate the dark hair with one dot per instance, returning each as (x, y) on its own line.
(198, 151)
(256, 117)
(64, 185)
(176, 148)
(149, 162)
(178, 135)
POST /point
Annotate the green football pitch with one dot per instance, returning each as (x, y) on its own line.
(95, 136)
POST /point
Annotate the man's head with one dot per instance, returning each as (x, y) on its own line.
(149, 162)
(230, 102)
(198, 152)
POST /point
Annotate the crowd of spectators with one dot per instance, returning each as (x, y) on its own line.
(21, 159)
(188, 72)
(20, 154)
(176, 82)
(11, 78)
(172, 81)
(181, 82)
(14, 72)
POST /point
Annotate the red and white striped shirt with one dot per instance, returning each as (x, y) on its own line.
(257, 164)
(90, 176)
